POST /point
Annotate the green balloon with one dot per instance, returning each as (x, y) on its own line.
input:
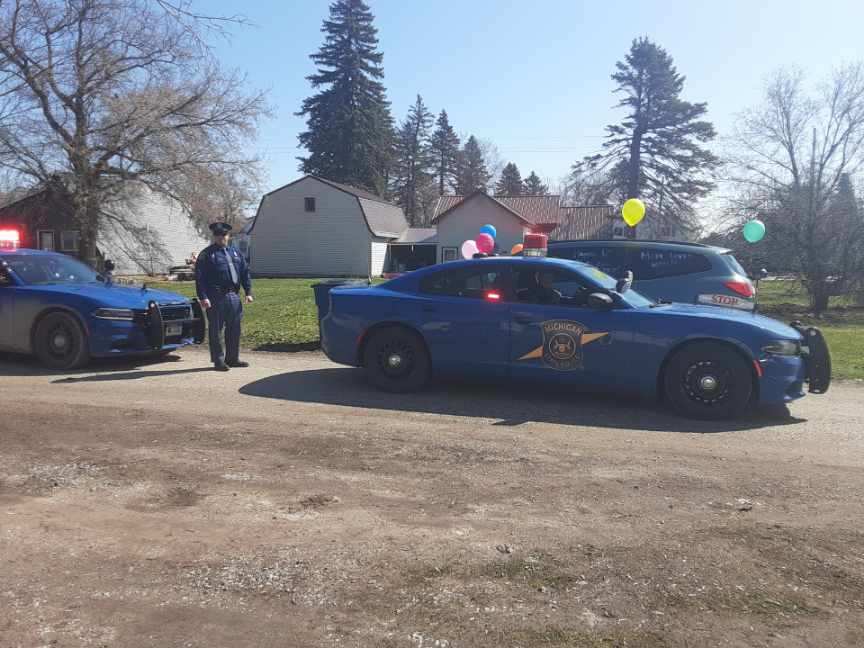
(754, 231)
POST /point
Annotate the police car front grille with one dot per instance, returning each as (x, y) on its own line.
(174, 313)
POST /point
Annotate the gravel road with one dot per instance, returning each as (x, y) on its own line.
(290, 505)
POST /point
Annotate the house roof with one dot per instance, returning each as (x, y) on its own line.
(418, 235)
(446, 204)
(384, 219)
(585, 223)
(573, 222)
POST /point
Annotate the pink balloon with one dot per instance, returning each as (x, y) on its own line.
(485, 243)
(469, 249)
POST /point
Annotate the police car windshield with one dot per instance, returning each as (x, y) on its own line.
(36, 270)
(630, 296)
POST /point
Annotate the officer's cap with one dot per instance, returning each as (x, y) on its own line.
(220, 229)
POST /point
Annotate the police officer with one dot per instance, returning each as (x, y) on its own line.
(220, 272)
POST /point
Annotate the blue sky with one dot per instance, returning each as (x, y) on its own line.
(533, 77)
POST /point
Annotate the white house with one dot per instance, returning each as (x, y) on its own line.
(315, 227)
(458, 218)
(145, 233)
(151, 234)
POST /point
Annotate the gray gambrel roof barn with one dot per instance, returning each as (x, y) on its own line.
(316, 227)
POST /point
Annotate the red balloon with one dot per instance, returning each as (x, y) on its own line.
(485, 243)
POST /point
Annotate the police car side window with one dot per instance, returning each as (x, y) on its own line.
(551, 287)
(469, 283)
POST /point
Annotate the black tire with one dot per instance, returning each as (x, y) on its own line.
(60, 342)
(708, 380)
(396, 360)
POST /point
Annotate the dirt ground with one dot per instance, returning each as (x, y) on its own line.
(290, 505)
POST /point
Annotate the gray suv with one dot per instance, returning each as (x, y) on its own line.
(689, 273)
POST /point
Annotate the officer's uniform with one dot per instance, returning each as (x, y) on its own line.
(220, 273)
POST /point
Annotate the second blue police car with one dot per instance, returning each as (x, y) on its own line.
(62, 311)
(543, 319)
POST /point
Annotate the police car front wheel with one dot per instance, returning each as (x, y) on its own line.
(60, 342)
(708, 380)
(396, 360)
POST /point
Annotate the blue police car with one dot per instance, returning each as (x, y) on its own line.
(539, 319)
(60, 310)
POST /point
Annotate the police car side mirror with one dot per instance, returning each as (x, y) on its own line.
(600, 301)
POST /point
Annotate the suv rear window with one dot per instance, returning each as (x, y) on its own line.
(651, 263)
(464, 282)
(732, 262)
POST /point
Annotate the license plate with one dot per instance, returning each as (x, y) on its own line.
(726, 300)
(172, 330)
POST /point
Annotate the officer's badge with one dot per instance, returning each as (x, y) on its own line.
(562, 344)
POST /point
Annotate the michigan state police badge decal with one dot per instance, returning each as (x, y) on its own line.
(562, 344)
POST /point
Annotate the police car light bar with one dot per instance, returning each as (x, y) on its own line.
(9, 238)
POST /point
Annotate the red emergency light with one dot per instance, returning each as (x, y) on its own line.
(9, 239)
(493, 296)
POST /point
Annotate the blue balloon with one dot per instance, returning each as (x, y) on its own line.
(490, 230)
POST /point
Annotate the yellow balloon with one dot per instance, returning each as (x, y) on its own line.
(633, 211)
(516, 249)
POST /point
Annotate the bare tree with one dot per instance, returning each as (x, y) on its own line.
(798, 153)
(112, 92)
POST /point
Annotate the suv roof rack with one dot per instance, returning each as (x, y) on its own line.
(689, 243)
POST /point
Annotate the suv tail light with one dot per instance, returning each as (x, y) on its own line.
(741, 286)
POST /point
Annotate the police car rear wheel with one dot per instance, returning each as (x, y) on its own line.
(708, 380)
(396, 360)
(60, 342)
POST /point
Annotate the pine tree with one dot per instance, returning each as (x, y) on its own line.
(414, 165)
(655, 154)
(349, 126)
(534, 186)
(445, 148)
(510, 182)
(472, 171)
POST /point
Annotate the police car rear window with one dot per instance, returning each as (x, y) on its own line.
(471, 283)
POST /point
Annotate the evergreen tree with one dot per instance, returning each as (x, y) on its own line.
(349, 126)
(534, 186)
(414, 166)
(445, 148)
(510, 182)
(472, 171)
(655, 154)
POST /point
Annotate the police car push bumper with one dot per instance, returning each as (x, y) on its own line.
(125, 331)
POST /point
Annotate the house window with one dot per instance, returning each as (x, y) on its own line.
(449, 254)
(309, 204)
(70, 240)
(46, 240)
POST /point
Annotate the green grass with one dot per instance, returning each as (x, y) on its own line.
(842, 324)
(283, 318)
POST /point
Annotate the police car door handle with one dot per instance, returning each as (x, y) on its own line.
(522, 318)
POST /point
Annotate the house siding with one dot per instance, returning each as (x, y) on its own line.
(379, 257)
(465, 221)
(334, 240)
(156, 234)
